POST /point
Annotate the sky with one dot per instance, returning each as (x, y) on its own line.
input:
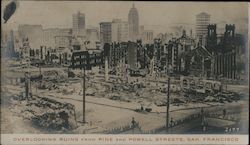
(154, 15)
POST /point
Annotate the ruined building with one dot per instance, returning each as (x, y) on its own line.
(227, 53)
(178, 51)
(219, 57)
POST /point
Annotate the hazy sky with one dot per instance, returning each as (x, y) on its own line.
(163, 14)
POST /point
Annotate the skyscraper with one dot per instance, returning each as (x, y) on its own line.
(78, 23)
(133, 20)
(105, 32)
(119, 31)
(202, 21)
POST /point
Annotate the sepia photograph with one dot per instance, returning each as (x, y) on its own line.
(132, 68)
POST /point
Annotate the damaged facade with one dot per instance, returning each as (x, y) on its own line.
(220, 57)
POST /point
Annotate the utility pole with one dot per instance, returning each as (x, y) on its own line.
(167, 115)
(26, 49)
(26, 85)
(40, 70)
(83, 94)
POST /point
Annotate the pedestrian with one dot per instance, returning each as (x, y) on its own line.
(133, 122)
(202, 111)
(142, 108)
(171, 122)
(224, 113)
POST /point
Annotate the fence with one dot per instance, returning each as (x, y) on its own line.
(174, 123)
(129, 127)
(122, 128)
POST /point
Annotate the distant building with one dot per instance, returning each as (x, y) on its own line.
(222, 56)
(202, 21)
(177, 30)
(4, 38)
(78, 23)
(160, 36)
(229, 54)
(49, 37)
(133, 20)
(87, 58)
(64, 38)
(105, 32)
(177, 50)
(92, 34)
(167, 37)
(33, 32)
(141, 30)
(9, 50)
(119, 31)
(132, 55)
(147, 37)
(116, 54)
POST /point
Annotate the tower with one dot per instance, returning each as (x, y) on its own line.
(211, 37)
(133, 20)
(229, 34)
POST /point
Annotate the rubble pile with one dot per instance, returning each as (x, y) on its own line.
(53, 121)
(119, 97)
(46, 85)
(46, 113)
(212, 97)
(52, 80)
(123, 92)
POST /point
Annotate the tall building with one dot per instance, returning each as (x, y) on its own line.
(119, 31)
(133, 21)
(78, 23)
(33, 32)
(132, 55)
(202, 21)
(147, 36)
(105, 32)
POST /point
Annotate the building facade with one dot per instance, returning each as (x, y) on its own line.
(226, 62)
(132, 55)
(105, 32)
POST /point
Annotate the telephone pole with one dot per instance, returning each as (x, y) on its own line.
(169, 72)
(83, 94)
(167, 115)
